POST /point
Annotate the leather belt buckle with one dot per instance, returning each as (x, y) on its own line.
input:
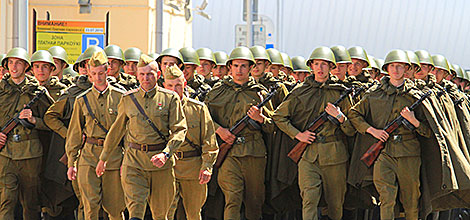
(144, 147)
(397, 138)
(240, 140)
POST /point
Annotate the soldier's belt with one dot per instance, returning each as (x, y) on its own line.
(326, 139)
(147, 147)
(95, 141)
(398, 138)
(186, 154)
(23, 137)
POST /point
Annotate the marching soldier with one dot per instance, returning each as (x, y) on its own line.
(459, 77)
(152, 123)
(198, 152)
(195, 82)
(360, 61)
(289, 80)
(207, 60)
(241, 176)
(78, 66)
(276, 63)
(258, 72)
(397, 168)
(415, 65)
(221, 69)
(343, 62)
(131, 58)
(301, 70)
(42, 67)
(116, 61)
(61, 62)
(170, 57)
(20, 156)
(323, 165)
(373, 68)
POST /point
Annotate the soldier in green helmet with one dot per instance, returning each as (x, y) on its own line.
(322, 168)
(397, 169)
(154, 56)
(197, 87)
(380, 63)
(116, 62)
(61, 62)
(343, 61)
(21, 155)
(43, 66)
(301, 70)
(276, 63)
(262, 61)
(170, 57)
(78, 68)
(360, 61)
(459, 77)
(131, 58)
(207, 59)
(242, 174)
(221, 69)
(3, 71)
(415, 65)
(373, 68)
(289, 80)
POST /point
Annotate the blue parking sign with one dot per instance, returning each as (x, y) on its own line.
(92, 39)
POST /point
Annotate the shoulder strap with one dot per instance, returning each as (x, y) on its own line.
(142, 111)
(87, 104)
(193, 145)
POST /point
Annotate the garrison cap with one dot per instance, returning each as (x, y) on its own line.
(145, 60)
(98, 59)
(172, 72)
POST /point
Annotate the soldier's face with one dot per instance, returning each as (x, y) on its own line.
(147, 77)
(396, 71)
(340, 70)
(176, 85)
(167, 61)
(425, 69)
(356, 67)
(288, 71)
(220, 71)
(82, 69)
(60, 66)
(130, 67)
(3, 71)
(16, 67)
(42, 71)
(98, 75)
(300, 76)
(206, 67)
(259, 69)
(188, 71)
(240, 71)
(274, 69)
(115, 66)
(321, 69)
(440, 74)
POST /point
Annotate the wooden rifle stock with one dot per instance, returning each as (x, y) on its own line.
(224, 148)
(13, 122)
(373, 152)
(296, 153)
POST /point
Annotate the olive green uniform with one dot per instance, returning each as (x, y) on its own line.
(211, 81)
(398, 165)
(142, 181)
(198, 83)
(104, 191)
(203, 140)
(323, 165)
(20, 158)
(268, 81)
(54, 87)
(241, 176)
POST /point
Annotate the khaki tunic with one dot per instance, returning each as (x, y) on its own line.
(396, 167)
(20, 160)
(200, 132)
(241, 176)
(323, 164)
(141, 180)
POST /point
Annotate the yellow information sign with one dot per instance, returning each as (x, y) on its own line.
(72, 43)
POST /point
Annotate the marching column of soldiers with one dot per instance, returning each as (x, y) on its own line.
(196, 134)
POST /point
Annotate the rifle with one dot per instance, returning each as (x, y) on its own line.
(373, 152)
(224, 148)
(296, 153)
(200, 92)
(13, 122)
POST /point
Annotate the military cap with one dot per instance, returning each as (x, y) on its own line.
(172, 72)
(286, 60)
(396, 56)
(341, 54)
(459, 71)
(2, 56)
(380, 63)
(372, 63)
(98, 59)
(241, 53)
(206, 54)
(132, 54)
(299, 64)
(190, 56)
(145, 60)
(90, 51)
(424, 57)
(414, 59)
(114, 52)
(77, 63)
(260, 53)
(441, 62)
(19, 53)
(452, 68)
(172, 52)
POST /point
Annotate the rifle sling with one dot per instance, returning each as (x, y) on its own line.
(87, 104)
(142, 111)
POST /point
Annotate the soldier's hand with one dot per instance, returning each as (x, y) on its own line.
(204, 176)
(159, 160)
(334, 111)
(3, 138)
(226, 135)
(100, 168)
(28, 115)
(379, 134)
(255, 114)
(306, 137)
(72, 173)
(410, 116)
